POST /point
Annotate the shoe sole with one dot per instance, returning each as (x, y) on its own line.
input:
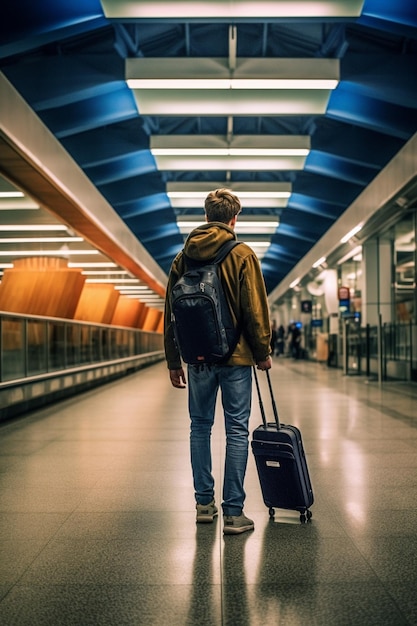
(229, 530)
(205, 519)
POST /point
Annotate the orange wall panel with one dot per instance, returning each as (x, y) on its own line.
(97, 303)
(126, 312)
(51, 292)
(152, 319)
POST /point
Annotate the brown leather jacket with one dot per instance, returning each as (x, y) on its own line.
(244, 288)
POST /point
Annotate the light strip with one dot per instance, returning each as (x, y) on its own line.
(242, 189)
(58, 253)
(208, 74)
(40, 240)
(253, 203)
(242, 194)
(32, 227)
(113, 280)
(135, 287)
(244, 163)
(6, 266)
(11, 194)
(230, 10)
(224, 152)
(103, 272)
(320, 261)
(231, 83)
(294, 283)
(99, 264)
(265, 227)
(237, 145)
(233, 102)
(351, 233)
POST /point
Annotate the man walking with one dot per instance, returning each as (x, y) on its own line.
(245, 292)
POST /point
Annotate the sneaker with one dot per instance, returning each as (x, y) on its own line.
(206, 512)
(235, 524)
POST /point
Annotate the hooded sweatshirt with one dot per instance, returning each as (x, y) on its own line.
(244, 288)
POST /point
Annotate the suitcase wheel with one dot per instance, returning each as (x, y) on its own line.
(271, 512)
(306, 516)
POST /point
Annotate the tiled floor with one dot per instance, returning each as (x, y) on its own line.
(97, 522)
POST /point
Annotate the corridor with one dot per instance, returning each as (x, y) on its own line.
(97, 520)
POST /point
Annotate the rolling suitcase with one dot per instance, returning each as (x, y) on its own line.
(281, 463)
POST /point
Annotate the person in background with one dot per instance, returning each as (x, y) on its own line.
(246, 294)
(280, 340)
(273, 337)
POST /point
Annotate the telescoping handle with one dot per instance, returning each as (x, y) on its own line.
(261, 406)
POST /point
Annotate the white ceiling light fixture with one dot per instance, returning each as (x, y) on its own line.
(57, 253)
(14, 240)
(108, 264)
(230, 9)
(252, 195)
(26, 228)
(190, 73)
(205, 86)
(238, 145)
(234, 102)
(249, 225)
(242, 152)
(351, 233)
(319, 262)
(11, 194)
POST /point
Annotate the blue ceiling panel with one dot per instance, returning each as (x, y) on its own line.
(92, 112)
(329, 165)
(122, 167)
(317, 207)
(96, 147)
(142, 206)
(347, 105)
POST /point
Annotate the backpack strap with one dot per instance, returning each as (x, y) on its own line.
(225, 249)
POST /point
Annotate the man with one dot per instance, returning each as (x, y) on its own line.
(245, 291)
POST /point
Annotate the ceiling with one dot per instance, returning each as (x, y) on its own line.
(67, 60)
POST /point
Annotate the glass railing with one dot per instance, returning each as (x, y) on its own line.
(32, 345)
(386, 346)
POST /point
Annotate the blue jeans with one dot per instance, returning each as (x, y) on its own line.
(235, 383)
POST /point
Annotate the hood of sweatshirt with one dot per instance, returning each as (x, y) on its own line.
(204, 241)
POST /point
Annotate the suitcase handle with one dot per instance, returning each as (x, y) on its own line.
(261, 406)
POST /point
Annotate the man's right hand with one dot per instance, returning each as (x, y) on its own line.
(177, 378)
(264, 365)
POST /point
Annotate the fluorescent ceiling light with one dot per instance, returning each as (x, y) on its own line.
(32, 227)
(58, 253)
(238, 145)
(121, 281)
(243, 190)
(11, 194)
(294, 283)
(194, 102)
(242, 152)
(6, 266)
(351, 233)
(230, 9)
(218, 163)
(320, 261)
(143, 288)
(255, 226)
(206, 74)
(194, 202)
(103, 272)
(98, 264)
(40, 239)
